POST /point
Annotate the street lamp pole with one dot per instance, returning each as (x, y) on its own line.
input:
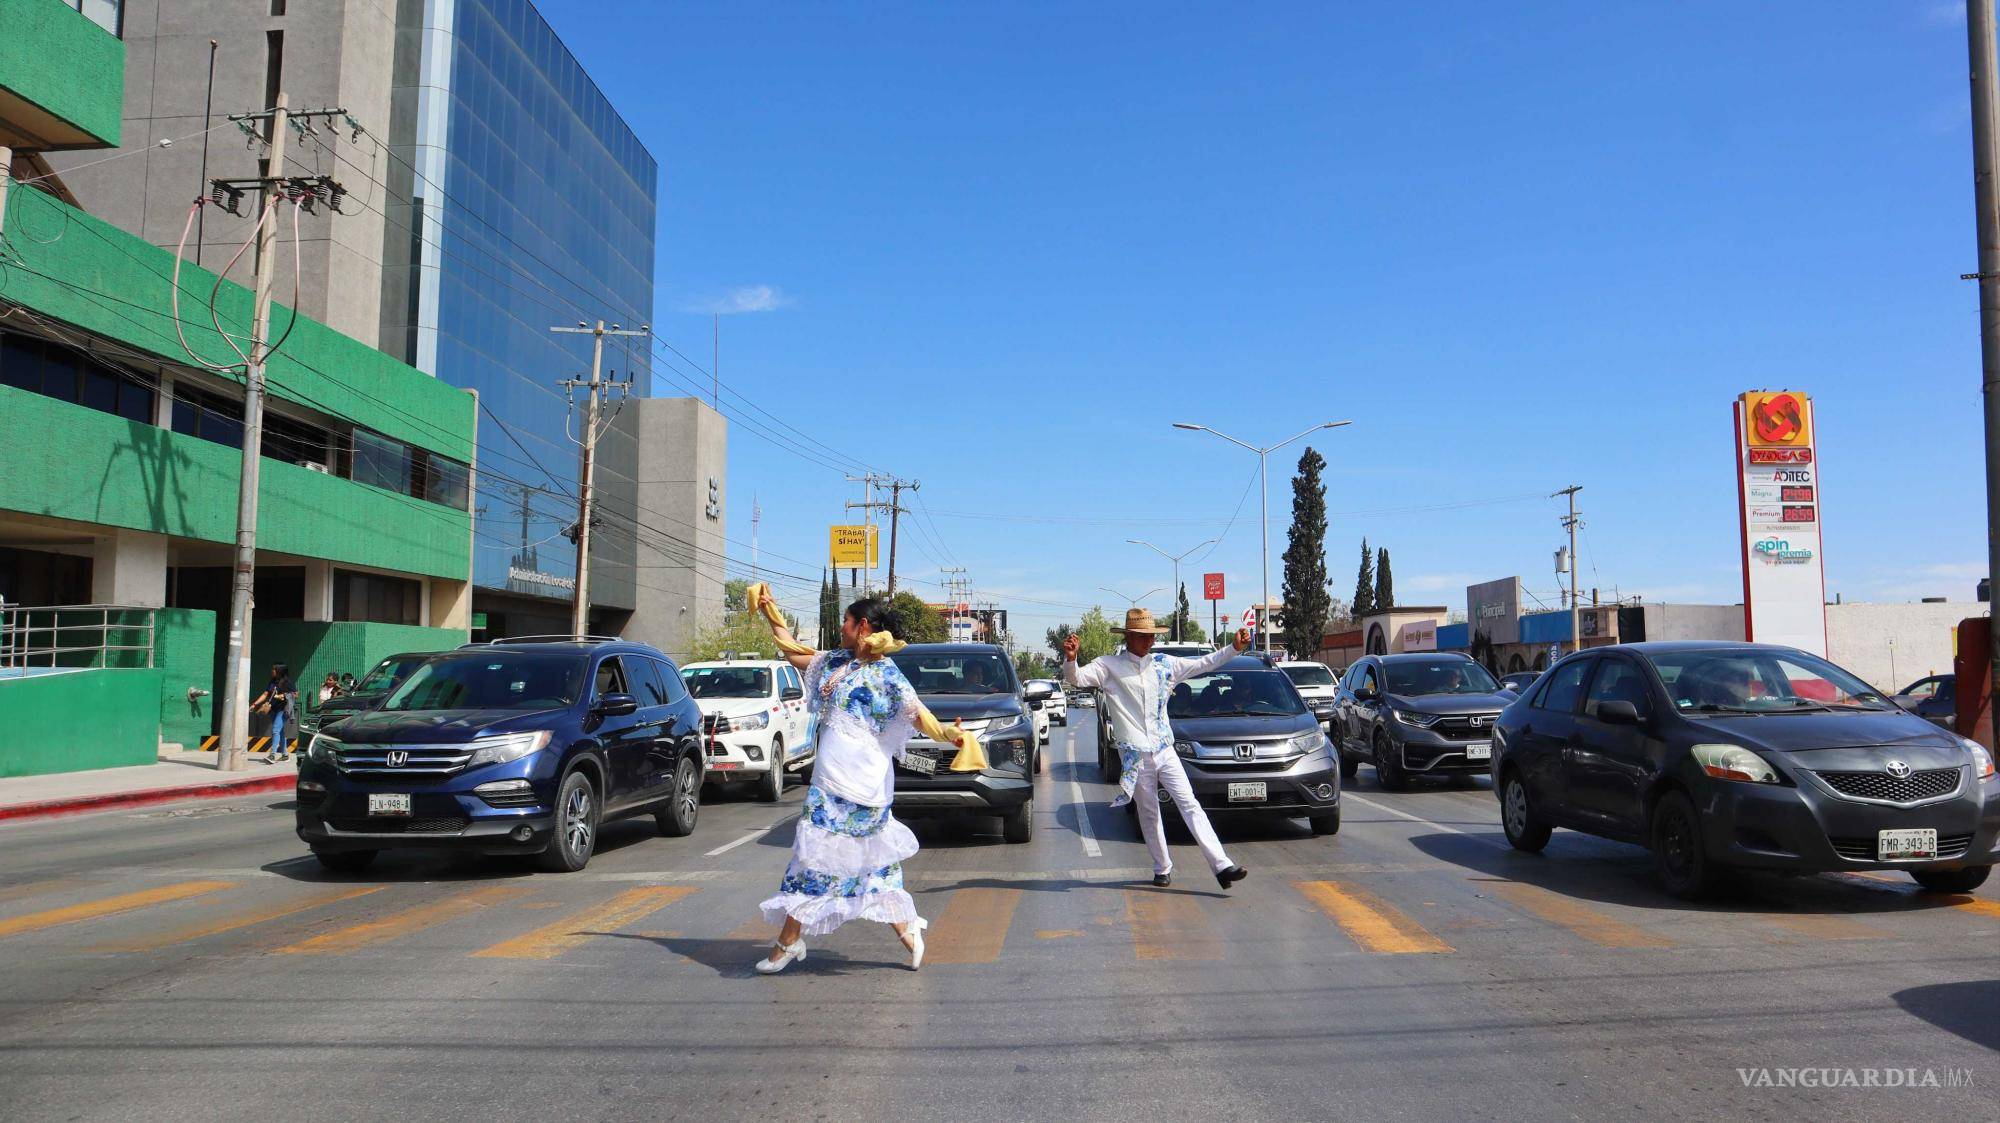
(1131, 602)
(1176, 559)
(1264, 503)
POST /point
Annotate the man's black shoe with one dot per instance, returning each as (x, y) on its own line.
(1162, 880)
(1231, 875)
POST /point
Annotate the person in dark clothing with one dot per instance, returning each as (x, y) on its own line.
(277, 699)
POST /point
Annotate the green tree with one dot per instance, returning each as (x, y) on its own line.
(735, 594)
(1307, 604)
(741, 634)
(1385, 585)
(1094, 636)
(1029, 665)
(1183, 617)
(1057, 635)
(829, 611)
(1193, 632)
(1364, 585)
(913, 621)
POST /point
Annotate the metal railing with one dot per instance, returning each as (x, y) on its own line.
(76, 635)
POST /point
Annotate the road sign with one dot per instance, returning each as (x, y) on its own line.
(853, 547)
(1211, 586)
(1250, 618)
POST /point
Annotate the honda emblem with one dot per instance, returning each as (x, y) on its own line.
(398, 758)
(1246, 752)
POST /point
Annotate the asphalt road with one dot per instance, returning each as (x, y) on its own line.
(194, 963)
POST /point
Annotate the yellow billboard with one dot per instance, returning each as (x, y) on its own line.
(852, 547)
(1780, 419)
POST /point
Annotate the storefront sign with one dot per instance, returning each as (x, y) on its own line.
(537, 577)
(852, 547)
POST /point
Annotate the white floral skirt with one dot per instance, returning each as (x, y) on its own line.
(847, 864)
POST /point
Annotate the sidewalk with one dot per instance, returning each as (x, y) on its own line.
(178, 776)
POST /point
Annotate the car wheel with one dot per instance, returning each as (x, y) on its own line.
(677, 818)
(1349, 767)
(576, 825)
(346, 861)
(1328, 823)
(773, 788)
(1678, 853)
(1525, 831)
(1388, 770)
(1951, 881)
(1018, 825)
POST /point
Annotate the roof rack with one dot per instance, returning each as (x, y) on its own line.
(553, 639)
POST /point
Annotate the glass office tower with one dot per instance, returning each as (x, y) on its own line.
(531, 204)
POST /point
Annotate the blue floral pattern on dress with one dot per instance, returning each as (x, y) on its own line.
(874, 693)
(829, 812)
(812, 883)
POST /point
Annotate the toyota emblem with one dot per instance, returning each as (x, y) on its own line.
(1246, 752)
(1897, 769)
(398, 758)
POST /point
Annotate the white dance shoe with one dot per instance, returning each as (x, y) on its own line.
(794, 952)
(915, 942)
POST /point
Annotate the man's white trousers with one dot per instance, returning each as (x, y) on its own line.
(1162, 770)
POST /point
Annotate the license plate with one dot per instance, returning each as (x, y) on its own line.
(388, 803)
(725, 765)
(1893, 845)
(1247, 793)
(922, 764)
(1479, 752)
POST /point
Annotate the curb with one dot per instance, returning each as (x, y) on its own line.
(78, 805)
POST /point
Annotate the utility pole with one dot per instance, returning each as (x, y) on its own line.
(579, 611)
(756, 516)
(954, 583)
(1570, 523)
(894, 506)
(1986, 196)
(235, 739)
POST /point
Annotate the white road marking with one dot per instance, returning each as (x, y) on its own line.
(755, 833)
(1090, 847)
(1346, 797)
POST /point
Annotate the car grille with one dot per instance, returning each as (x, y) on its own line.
(1863, 849)
(511, 799)
(1928, 783)
(1460, 727)
(417, 760)
(397, 826)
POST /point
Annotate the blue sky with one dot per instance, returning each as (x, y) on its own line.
(1000, 248)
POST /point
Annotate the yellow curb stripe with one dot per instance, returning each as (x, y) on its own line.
(1583, 922)
(579, 927)
(973, 926)
(242, 919)
(124, 902)
(344, 940)
(1374, 924)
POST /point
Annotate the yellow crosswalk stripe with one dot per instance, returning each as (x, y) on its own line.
(578, 927)
(124, 902)
(242, 919)
(1368, 920)
(1975, 905)
(344, 940)
(1170, 926)
(1581, 920)
(972, 927)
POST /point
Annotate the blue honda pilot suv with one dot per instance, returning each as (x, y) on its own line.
(509, 747)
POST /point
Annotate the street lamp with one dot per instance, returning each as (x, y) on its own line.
(1130, 601)
(1176, 559)
(1264, 501)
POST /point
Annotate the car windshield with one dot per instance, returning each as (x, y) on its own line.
(728, 682)
(1311, 674)
(1235, 694)
(974, 672)
(1748, 680)
(386, 675)
(491, 680)
(1438, 676)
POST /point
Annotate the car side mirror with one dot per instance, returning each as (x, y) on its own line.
(793, 694)
(616, 705)
(1510, 688)
(1618, 713)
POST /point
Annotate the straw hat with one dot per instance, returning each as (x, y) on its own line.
(1140, 620)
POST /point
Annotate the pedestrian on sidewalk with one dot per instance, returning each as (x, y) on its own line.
(277, 699)
(848, 850)
(1135, 684)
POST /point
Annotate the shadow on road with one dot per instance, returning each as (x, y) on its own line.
(732, 959)
(1966, 1009)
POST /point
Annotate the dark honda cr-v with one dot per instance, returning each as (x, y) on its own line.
(507, 748)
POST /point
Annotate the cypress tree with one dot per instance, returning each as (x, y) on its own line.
(1364, 584)
(1307, 603)
(1385, 585)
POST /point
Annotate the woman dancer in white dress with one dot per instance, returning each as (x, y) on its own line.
(848, 852)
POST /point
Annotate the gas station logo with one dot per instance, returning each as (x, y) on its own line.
(1778, 420)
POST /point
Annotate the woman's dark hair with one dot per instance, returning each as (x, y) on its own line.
(280, 670)
(872, 611)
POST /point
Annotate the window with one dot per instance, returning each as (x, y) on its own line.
(1440, 675)
(381, 462)
(376, 598)
(296, 442)
(1564, 687)
(212, 417)
(483, 680)
(1309, 675)
(1618, 681)
(672, 676)
(971, 673)
(1235, 694)
(1368, 683)
(647, 684)
(445, 481)
(610, 678)
(58, 371)
(728, 682)
(792, 680)
(1749, 680)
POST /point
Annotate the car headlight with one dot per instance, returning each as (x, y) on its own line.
(1734, 762)
(1184, 748)
(1421, 721)
(506, 747)
(1305, 742)
(321, 748)
(750, 721)
(1982, 761)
